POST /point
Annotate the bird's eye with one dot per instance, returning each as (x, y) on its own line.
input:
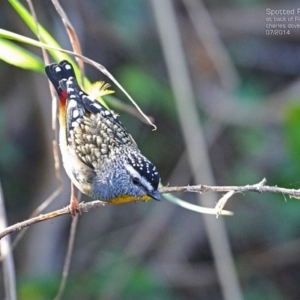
(136, 181)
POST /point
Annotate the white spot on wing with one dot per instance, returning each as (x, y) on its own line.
(72, 103)
(75, 114)
(74, 124)
(97, 105)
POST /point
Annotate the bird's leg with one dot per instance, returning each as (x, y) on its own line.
(74, 204)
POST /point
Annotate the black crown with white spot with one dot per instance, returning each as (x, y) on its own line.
(145, 168)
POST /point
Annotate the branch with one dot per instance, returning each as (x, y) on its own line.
(83, 206)
(229, 190)
(258, 187)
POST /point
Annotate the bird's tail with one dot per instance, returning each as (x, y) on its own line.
(58, 74)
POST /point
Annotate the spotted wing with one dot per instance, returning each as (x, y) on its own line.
(93, 131)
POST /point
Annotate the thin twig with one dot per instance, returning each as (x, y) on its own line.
(72, 36)
(67, 263)
(59, 188)
(37, 211)
(121, 106)
(86, 206)
(258, 187)
(77, 49)
(222, 202)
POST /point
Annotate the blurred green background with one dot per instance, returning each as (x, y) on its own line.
(247, 92)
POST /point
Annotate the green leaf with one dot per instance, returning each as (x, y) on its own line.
(19, 57)
(44, 34)
(5, 34)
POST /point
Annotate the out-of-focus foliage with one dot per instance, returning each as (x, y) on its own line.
(142, 285)
(149, 90)
(18, 56)
(291, 131)
(42, 32)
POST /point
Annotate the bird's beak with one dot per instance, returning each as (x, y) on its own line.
(155, 195)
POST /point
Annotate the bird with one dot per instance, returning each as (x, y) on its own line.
(99, 155)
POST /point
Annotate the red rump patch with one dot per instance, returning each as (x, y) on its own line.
(63, 97)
